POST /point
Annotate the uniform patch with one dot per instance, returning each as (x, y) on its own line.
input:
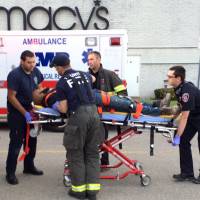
(35, 80)
(185, 97)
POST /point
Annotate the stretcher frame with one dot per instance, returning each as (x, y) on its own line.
(134, 167)
(133, 128)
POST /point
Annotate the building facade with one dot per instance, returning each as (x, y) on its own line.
(161, 33)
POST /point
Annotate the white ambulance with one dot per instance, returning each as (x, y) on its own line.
(46, 44)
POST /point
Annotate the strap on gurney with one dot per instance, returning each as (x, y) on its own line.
(26, 149)
(139, 108)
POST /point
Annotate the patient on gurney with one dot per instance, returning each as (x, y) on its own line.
(113, 103)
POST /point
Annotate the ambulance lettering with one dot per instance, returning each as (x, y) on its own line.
(44, 59)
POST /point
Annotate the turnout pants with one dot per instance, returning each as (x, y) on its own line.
(82, 136)
(17, 126)
(186, 161)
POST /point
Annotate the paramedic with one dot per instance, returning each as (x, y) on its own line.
(107, 81)
(83, 132)
(189, 97)
(21, 82)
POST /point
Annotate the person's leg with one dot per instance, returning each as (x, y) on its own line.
(17, 133)
(93, 140)
(105, 155)
(13, 151)
(29, 159)
(186, 162)
(74, 142)
(75, 158)
(29, 166)
(197, 180)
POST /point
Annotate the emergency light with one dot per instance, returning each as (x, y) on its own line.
(115, 41)
(90, 41)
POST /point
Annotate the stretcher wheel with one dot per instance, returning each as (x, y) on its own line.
(145, 180)
(66, 181)
(138, 166)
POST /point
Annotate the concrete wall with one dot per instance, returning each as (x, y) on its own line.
(162, 32)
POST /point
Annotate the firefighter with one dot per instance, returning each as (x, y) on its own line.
(83, 132)
(189, 97)
(21, 83)
(107, 81)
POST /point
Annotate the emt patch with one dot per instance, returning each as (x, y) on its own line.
(185, 97)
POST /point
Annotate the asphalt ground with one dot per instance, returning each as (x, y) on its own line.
(51, 155)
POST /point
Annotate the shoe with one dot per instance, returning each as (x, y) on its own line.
(165, 102)
(183, 177)
(91, 196)
(12, 179)
(196, 180)
(33, 171)
(77, 195)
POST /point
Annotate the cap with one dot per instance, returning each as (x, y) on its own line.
(60, 60)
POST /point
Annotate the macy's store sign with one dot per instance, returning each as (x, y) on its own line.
(99, 12)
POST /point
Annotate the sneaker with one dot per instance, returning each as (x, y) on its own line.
(197, 180)
(12, 179)
(165, 102)
(183, 177)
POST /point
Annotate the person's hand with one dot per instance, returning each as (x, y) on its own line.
(28, 117)
(55, 106)
(176, 140)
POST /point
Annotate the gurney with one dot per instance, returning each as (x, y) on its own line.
(132, 125)
(161, 124)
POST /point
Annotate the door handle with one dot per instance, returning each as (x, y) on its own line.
(137, 79)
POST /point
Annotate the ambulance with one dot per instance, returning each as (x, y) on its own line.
(112, 44)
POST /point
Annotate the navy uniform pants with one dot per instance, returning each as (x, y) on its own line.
(186, 161)
(17, 126)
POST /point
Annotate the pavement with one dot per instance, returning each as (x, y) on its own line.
(51, 155)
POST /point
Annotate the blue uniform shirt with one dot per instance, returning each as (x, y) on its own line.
(66, 90)
(189, 97)
(23, 84)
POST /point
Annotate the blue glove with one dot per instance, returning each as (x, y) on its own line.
(28, 117)
(176, 140)
(55, 106)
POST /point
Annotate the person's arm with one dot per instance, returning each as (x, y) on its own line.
(182, 122)
(118, 86)
(62, 106)
(13, 100)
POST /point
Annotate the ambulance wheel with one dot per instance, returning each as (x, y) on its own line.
(145, 180)
(138, 166)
